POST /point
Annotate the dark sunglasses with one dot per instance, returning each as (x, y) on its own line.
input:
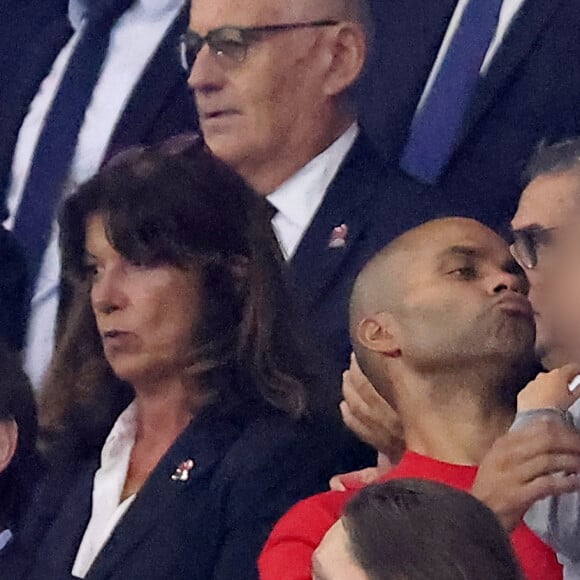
(526, 243)
(232, 42)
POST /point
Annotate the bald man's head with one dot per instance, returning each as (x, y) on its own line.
(445, 293)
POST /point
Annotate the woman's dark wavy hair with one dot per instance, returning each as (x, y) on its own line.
(177, 204)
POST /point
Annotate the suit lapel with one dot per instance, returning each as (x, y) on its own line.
(408, 38)
(205, 445)
(533, 17)
(148, 96)
(315, 262)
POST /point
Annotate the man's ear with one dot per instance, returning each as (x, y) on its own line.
(377, 333)
(8, 442)
(349, 51)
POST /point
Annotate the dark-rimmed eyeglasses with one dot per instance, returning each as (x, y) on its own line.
(231, 43)
(526, 243)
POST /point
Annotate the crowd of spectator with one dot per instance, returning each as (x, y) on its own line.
(254, 249)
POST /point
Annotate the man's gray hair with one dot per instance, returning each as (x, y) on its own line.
(559, 157)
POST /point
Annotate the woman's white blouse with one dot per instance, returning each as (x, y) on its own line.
(108, 486)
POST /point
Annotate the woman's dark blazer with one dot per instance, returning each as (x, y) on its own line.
(211, 526)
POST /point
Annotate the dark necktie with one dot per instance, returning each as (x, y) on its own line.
(271, 209)
(56, 145)
(437, 126)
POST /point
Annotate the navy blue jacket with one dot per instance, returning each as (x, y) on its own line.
(531, 92)
(31, 37)
(13, 284)
(211, 526)
(375, 203)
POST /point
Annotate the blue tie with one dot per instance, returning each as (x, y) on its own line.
(438, 124)
(57, 142)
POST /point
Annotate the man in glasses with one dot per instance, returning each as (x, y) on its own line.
(271, 80)
(546, 230)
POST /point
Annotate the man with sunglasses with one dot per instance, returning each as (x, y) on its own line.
(271, 80)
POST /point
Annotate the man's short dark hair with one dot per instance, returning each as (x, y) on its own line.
(559, 157)
(414, 529)
(17, 403)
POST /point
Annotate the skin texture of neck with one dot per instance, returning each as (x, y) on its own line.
(162, 415)
(453, 419)
(265, 176)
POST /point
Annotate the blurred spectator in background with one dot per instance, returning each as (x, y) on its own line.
(461, 91)
(526, 465)
(19, 465)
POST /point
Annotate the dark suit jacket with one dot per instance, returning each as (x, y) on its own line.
(31, 36)
(530, 92)
(376, 204)
(209, 527)
(13, 285)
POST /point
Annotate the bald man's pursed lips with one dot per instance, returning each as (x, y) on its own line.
(516, 303)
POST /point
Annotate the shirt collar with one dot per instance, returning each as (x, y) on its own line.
(299, 197)
(152, 9)
(122, 435)
(5, 538)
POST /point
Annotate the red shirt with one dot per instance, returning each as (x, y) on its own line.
(288, 552)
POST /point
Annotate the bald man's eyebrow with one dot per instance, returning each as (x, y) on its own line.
(530, 228)
(462, 251)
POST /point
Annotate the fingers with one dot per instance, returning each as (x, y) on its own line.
(551, 389)
(336, 484)
(526, 465)
(550, 485)
(543, 436)
(364, 401)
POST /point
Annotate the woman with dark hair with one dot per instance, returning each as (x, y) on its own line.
(177, 407)
(413, 529)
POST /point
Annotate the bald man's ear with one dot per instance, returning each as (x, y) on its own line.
(347, 57)
(377, 334)
(8, 442)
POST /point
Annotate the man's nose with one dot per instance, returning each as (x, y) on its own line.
(206, 75)
(514, 281)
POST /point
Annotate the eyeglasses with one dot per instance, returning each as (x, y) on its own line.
(526, 244)
(232, 42)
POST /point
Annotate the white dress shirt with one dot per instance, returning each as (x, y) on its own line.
(134, 40)
(508, 12)
(5, 538)
(108, 484)
(300, 196)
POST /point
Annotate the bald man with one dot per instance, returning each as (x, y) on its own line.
(272, 81)
(441, 325)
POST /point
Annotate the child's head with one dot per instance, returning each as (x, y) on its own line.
(411, 529)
